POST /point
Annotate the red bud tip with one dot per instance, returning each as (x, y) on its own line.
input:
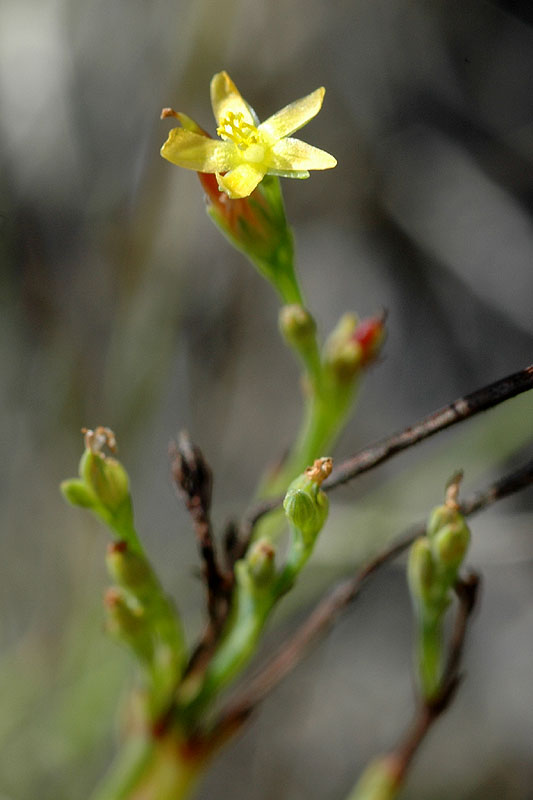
(370, 334)
(117, 547)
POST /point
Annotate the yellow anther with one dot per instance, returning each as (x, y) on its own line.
(235, 128)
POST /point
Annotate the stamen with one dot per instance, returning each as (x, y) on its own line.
(235, 128)
(96, 440)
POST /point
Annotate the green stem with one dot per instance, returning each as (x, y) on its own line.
(127, 769)
(233, 655)
(378, 781)
(285, 281)
(245, 625)
(430, 656)
(252, 609)
(328, 398)
(325, 415)
(152, 769)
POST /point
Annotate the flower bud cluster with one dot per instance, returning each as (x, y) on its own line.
(130, 604)
(434, 562)
(435, 559)
(103, 483)
(138, 612)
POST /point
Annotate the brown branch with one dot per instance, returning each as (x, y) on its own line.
(325, 613)
(193, 479)
(370, 457)
(233, 550)
(400, 760)
(464, 408)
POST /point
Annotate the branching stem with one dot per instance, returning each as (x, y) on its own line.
(325, 613)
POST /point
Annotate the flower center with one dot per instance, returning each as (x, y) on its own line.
(235, 128)
(247, 137)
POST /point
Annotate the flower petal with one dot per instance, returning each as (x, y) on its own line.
(289, 173)
(190, 125)
(294, 116)
(193, 151)
(241, 181)
(226, 97)
(292, 154)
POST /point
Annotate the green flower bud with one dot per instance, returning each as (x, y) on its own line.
(123, 619)
(346, 359)
(297, 325)
(302, 510)
(305, 504)
(76, 493)
(449, 513)
(107, 478)
(344, 328)
(421, 571)
(451, 543)
(257, 226)
(343, 354)
(126, 622)
(261, 562)
(439, 518)
(130, 570)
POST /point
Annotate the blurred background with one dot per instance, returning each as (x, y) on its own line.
(122, 306)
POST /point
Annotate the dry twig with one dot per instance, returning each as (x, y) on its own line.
(193, 479)
(464, 408)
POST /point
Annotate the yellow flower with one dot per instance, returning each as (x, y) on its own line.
(247, 150)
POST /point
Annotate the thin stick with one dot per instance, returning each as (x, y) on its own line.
(464, 408)
(370, 457)
(322, 617)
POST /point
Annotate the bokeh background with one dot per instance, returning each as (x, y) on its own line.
(122, 306)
